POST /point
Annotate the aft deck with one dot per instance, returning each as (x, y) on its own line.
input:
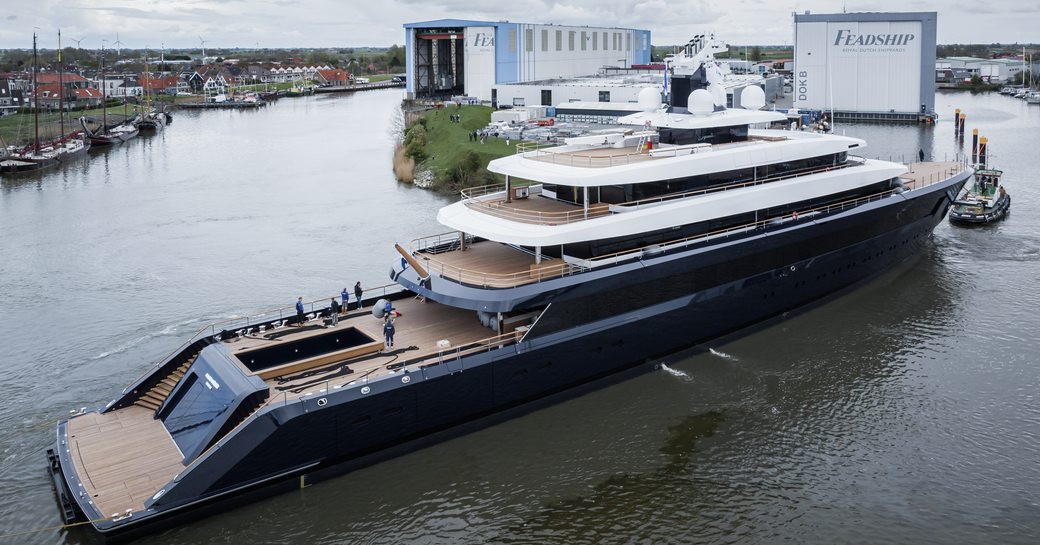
(491, 264)
(122, 457)
(420, 330)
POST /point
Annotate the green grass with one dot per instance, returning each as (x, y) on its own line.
(17, 129)
(446, 140)
(378, 77)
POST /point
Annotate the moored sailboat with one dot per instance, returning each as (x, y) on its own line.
(43, 154)
(109, 135)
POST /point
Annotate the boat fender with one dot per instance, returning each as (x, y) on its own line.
(380, 309)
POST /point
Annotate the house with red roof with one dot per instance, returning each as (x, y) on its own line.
(158, 84)
(332, 76)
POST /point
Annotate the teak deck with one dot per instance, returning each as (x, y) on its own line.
(923, 174)
(420, 325)
(123, 457)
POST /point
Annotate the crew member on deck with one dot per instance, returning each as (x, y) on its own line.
(334, 310)
(345, 295)
(388, 333)
(299, 311)
(357, 293)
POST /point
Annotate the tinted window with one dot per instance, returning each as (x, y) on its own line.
(199, 403)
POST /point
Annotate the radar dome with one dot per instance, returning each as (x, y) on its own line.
(649, 99)
(700, 102)
(752, 97)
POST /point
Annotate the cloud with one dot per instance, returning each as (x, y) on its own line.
(334, 23)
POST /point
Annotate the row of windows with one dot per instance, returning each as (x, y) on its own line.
(761, 258)
(595, 248)
(583, 40)
(620, 194)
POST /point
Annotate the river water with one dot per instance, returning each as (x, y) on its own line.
(904, 411)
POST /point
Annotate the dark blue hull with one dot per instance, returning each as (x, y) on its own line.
(593, 334)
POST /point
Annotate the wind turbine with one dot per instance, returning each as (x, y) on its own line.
(77, 42)
(118, 45)
(203, 42)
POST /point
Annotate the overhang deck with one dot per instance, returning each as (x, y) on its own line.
(492, 265)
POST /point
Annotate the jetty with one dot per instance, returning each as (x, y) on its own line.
(359, 87)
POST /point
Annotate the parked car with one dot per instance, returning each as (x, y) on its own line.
(360, 80)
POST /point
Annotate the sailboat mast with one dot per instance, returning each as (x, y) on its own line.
(61, 89)
(104, 95)
(36, 101)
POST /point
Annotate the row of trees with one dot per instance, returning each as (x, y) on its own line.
(358, 60)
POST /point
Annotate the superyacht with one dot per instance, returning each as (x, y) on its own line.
(593, 259)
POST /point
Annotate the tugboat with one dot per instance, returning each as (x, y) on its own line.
(985, 201)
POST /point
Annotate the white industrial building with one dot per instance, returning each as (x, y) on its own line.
(617, 89)
(451, 57)
(990, 70)
(866, 65)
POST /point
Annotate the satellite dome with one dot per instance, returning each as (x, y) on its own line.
(700, 102)
(752, 97)
(649, 99)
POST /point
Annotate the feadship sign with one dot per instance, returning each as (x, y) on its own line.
(852, 42)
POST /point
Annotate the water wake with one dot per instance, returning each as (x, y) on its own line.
(675, 372)
(723, 355)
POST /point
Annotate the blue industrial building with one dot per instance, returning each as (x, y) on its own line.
(451, 57)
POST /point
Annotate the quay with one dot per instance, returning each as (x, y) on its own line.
(359, 87)
(221, 105)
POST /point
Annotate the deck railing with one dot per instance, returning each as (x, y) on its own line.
(544, 271)
(852, 162)
(537, 152)
(479, 198)
(313, 309)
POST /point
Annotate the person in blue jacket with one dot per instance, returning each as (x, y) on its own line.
(345, 295)
(299, 311)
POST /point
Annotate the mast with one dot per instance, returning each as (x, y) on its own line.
(36, 102)
(104, 94)
(61, 89)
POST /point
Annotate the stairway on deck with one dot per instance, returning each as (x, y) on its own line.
(154, 398)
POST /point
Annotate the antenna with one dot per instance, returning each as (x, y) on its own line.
(118, 45)
(203, 43)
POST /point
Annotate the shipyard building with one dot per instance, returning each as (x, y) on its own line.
(868, 66)
(455, 57)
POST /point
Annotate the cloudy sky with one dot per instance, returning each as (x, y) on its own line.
(337, 23)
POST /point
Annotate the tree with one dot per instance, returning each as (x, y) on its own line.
(756, 53)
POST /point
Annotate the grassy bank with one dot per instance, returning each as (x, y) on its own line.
(451, 156)
(18, 130)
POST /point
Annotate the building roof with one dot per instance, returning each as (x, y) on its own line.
(443, 23)
(68, 77)
(808, 17)
(334, 74)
